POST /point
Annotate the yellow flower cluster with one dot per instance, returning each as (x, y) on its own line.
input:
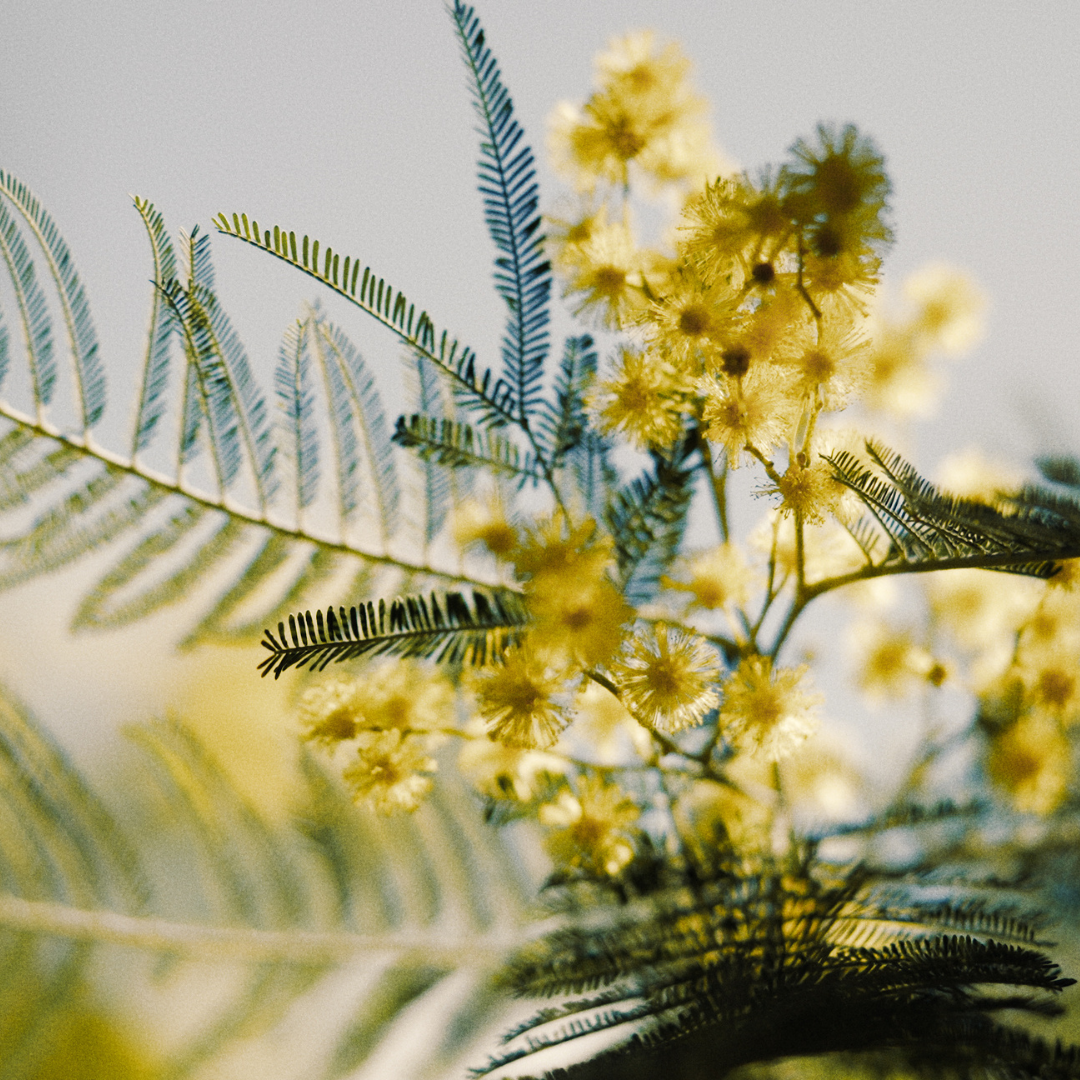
(387, 721)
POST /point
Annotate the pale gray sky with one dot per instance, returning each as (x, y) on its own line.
(352, 122)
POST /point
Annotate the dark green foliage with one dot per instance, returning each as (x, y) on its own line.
(647, 518)
(457, 445)
(929, 529)
(762, 962)
(507, 176)
(445, 628)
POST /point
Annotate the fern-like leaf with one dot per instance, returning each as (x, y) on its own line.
(507, 175)
(456, 444)
(646, 519)
(445, 628)
(33, 309)
(82, 339)
(928, 529)
(155, 372)
(296, 400)
(491, 400)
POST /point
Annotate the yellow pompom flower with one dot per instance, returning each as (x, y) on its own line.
(949, 307)
(523, 698)
(733, 226)
(1031, 761)
(579, 617)
(476, 522)
(391, 771)
(766, 709)
(606, 275)
(591, 829)
(755, 411)
(645, 399)
(667, 678)
(687, 324)
(720, 578)
(808, 489)
(331, 711)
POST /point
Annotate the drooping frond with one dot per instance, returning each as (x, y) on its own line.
(273, 916)
(296, 402)
(89, 375)
(358, 425)
(757, 964)
(456, 444)
(507, 176)
(155, 372)
(491, 400)
(444, 627)
(33, 309)
(238, 418)
(197, 538)
(929, 529)
(563, 424)
(646, 519)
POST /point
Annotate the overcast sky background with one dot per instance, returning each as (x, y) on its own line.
(352, 122)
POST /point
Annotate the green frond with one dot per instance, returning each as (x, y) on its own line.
(238, 419)
(33, 309)
(507, 179)
(928, 529)
(563, 423)
(358, 425)
(85, 519)
(82, 339)
(442, 627)
(457, 445)
(423, 908)
(754, 965)
(490, 399)
(135, 587)
(296, 402)
(155, 371)
(646, 519)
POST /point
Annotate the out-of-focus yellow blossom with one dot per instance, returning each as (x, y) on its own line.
(579, 617)
(391, 771)
(971, 475)
(837, 191)
(949, 307)
(1031, 761)
(591, 829)
(554, 546)
(645, 399)
(478, 522)
(822, 780)
(982, 608)
(767, 710)
(405, 694)
(667, 677)
(889, 663)
(605, 276)
(331, 711)
(1067, 578)
(828, 549)
(1051, 679)
(642, 112)
(604, 725)
(523, 698)
(898, 379)
(755, 411)
(506, 772)
(720, 578)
